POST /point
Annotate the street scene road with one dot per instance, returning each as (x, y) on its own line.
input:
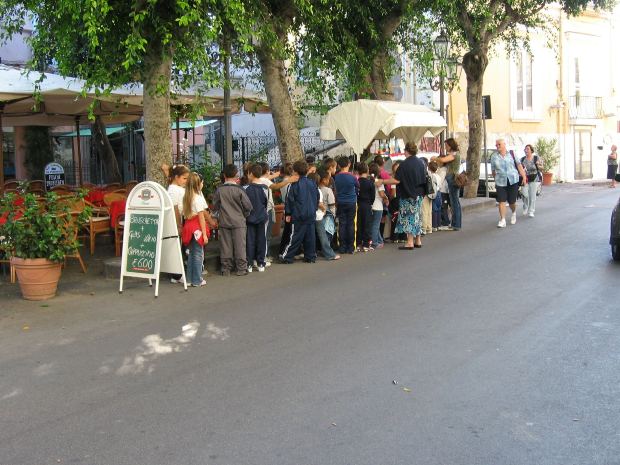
(486, 346)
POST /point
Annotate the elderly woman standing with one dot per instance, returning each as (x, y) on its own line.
(532, 166)
(411, 189)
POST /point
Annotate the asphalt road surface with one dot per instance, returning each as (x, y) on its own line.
(486, 347)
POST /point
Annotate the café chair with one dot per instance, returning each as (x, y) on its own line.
(72, 221)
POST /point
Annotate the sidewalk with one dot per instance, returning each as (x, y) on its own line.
(103, 266)
(112, 266)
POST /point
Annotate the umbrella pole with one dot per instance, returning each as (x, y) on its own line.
(79, 150)
(1, 149)
(178, 141)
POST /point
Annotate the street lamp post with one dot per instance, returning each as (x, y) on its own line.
(446, 74)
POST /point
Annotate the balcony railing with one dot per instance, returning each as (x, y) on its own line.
(582, 107)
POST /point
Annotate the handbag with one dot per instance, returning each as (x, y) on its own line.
(461, 179)
(430, 188)
(520, 183)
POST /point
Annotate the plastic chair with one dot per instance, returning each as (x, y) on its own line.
(12, 274)
(119, 230)
(98, 223)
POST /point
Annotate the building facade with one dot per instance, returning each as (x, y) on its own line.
(565, 88)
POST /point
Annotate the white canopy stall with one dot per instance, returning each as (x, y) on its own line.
(361, 122)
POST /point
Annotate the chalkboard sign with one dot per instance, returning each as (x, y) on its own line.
(150, 241)
(141, 231)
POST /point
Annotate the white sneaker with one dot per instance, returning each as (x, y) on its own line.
(524, 212)
(260, 269)
(267, 263)
(502, 223)
(176, 281)
(513, 218)
(249, 269)
(202, 283)
(531, 214)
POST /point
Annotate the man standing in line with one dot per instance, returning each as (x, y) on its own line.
(506, 172)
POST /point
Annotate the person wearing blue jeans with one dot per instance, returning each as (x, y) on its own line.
(194, 263)
(455, 203)
(347, 188)
(452, 161)
(325, 238)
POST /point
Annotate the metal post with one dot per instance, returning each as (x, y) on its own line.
(227, 105)
(178, 160)
(486, 165)
(1, 149)
(79, 150)
(442, 135)
(194, 142)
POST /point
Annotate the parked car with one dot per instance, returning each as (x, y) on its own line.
(614, 236)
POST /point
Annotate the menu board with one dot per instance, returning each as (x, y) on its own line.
(141, 231)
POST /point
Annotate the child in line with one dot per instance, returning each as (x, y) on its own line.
(436, 198)
(195, 231)
(256, 239)
(300, 208)
(266, 178)
(347, 187)
(324, 214)
(378, 205)
(177, 179)
(365, 199)
(234, 207)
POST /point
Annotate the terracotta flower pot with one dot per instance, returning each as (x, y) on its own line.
(277, 226)
(38, 277)
(547, 178)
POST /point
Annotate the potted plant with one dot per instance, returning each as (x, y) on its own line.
(547, 151)
(37, 233)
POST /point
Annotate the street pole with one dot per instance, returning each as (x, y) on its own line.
(441, 113)
(486, 166)
(227, 106)
(79, 150)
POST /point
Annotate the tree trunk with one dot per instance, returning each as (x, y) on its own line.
(281, 104)
(381, 88)
(474, 63)
(157, 135)
(102, 144)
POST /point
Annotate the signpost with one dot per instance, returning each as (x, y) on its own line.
(486, 114)
(54, 175)
(151, 240)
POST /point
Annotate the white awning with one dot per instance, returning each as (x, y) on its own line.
(362, 121)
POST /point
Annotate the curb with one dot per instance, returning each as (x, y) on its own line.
(112, 266)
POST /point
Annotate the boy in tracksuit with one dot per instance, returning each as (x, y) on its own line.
(258, 194)
(347, 188)
(300, 208)
(234, 207)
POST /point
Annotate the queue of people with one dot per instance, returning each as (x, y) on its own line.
(337, 208)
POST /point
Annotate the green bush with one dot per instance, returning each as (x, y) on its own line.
(547, 151)
(37, 229)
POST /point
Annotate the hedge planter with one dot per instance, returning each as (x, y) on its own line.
(38, 277)
(277, 226)
(547, 178)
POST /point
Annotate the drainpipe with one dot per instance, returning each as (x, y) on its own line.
(561, 114)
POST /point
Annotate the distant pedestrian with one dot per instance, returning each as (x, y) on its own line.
(436, 196)
(532, 166)
(234, 207)
(612, 166)
(506, 172)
